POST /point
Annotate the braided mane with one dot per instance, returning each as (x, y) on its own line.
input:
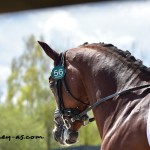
(126, 54)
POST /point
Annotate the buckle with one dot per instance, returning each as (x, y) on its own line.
(67, 113)
(85, 123)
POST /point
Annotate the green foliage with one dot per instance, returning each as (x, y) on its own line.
(16, 123)
(29, 96)
(28, 79)
(89, 135)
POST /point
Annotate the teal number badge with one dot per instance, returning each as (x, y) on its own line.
(58, 72)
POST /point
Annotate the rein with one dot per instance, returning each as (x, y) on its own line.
(73, 113)
(101, 100)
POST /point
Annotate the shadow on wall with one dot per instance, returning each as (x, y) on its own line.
(82, 148)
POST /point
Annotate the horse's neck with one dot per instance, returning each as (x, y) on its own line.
(104, 74)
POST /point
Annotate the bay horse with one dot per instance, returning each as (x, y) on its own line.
(109, 81)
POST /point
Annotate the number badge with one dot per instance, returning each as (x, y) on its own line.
(58, 72)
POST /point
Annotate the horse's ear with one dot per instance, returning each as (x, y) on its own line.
(49, 51)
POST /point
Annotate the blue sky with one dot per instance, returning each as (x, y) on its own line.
(124, 24)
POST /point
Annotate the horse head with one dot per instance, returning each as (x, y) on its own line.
(67, 92)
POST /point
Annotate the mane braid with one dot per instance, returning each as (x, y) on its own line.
(126, 54)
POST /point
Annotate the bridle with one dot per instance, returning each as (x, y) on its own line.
(73, 113)
(61, 111)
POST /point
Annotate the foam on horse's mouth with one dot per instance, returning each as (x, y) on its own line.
(58, 135)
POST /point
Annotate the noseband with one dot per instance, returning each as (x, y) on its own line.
(73, 113)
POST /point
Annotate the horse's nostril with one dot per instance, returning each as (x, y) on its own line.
(55, 138)
(73, 135)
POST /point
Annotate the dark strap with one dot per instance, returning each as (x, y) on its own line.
(99, 101)
(58, 85)
(59, 95)
(69, 93)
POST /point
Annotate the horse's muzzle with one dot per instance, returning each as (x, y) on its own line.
(72, 137)
(65, 136)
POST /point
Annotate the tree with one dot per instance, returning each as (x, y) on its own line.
(28, 86)
(16, 123)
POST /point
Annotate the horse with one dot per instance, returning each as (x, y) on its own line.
(110, 82)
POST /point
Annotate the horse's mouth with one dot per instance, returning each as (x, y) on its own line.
(65, 137)
(73, 136)
(71, 141)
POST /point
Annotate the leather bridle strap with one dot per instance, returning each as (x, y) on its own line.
(59, 99)
(58, 85)
(69, 93)
(101, 100)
